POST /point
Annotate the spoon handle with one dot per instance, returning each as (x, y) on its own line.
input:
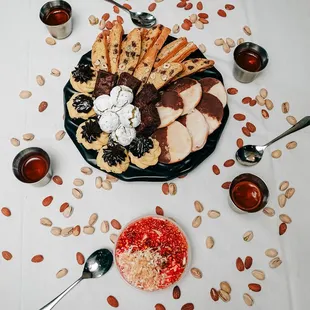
(119, 5)
(51, 304)
(304, 122)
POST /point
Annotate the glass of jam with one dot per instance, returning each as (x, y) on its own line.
(248, 193)
(250, 60)
(32, 166)
(56, 15)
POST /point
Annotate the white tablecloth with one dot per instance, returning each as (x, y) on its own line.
(282, 27)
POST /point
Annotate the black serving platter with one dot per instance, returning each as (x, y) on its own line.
(159, 172)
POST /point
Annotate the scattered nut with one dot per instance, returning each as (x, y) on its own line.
(247, 30)
(76, 47)
(55, 72)
(50, 41)
(93, 20)
(202, 48)
(40, 80)
(176, 28)
(25, 94)
(60, 134)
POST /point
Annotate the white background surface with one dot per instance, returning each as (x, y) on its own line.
(282, 27)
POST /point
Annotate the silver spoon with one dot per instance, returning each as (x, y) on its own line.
(96, 266)
(141, 19)
(250, 155)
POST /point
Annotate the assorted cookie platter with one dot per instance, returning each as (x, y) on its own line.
(146, 106)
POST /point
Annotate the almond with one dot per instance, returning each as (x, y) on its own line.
(196, 221)
(120, 19)
(176, 293)
(80, 258)
(188, 306)
(252, 103)
(282, 229)
(196, 273)
(28, 136)
(269, 211)
(60, 135)
(88, 230)
(42, 106)
(209, 242)
(15, 142)
(77, 193)
(239, 143)
(105, 16)
(251, 127)
(37, 258)
(199, 6)
(152, 7)
(276, 154)
(247, 30)
(216, 169)
(57, 179)
(229, 163)
(291, 145)
(275, 262)
(188, 6)
(225, 287)
(160, 307)
(6, 211)
(271, 253)
(229, 7)
(291, 120)
(50, 41)
(113, 238)
(165, 188)
(224, 296)
(63, 207)
(255, 287)
(214, 294)
(248, 236)
(116, 224)
(25, 94)
(76, 230)
(285, 218)
(61, 273)
(248, 262)
(232, 91)
(265, 114)
(213, 214)
(246, 131)
(116, 9)
(172, 189)
(78, 182)
(258, 274)
(93, 219)
(7, 255)
(239, 264)
(282, 200)
(285, 107)
(46, 222)
(104, 227)
(204, 15)
(198, 206)
(47, 201)
(226, 185)
(239, 117)
(283, 185)
(127, 6)
(248, 299)
(246, 100)
(56, 231)
(159, 211)
(181, 4)
(221, 13)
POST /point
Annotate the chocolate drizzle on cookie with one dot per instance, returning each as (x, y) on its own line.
(140, 145)
(91, 130)
(83, 103)
(114, 154)
(83, 73)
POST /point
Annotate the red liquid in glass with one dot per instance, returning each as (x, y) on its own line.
(246, 196)
(56, 17)
(249, 60)
(34, 168)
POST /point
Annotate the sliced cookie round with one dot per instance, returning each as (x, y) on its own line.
(190, 91)
(175, 143)
(169, 108)
(214, 87)
(212, 109)
(198, 128)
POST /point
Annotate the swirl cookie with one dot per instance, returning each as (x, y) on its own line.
(83, 78)
(91, 136)
(113, 158)
(144, 152)
(81, 106)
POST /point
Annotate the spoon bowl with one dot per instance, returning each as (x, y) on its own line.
(250, 155)
(143, 19)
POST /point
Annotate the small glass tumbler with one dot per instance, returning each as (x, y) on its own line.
(240, 73)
